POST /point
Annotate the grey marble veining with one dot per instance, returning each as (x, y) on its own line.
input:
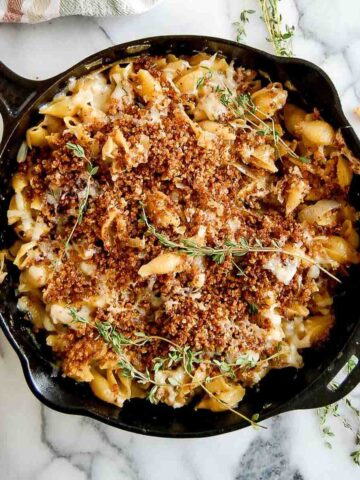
(39, 444)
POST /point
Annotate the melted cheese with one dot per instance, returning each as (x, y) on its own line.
(284, 272)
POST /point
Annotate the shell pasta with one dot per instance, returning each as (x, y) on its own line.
(182, 227)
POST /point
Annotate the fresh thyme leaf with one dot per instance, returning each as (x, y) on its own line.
(117, 339)
(253, 308)
(225, 99)
(244, 15)
(126, 368)
(244, 243)
(225, 367)
(327, 431)
(218, 257)
(240, 25)
(191, 358)
(76, 317)
(262, 133)
(275, 243)
(355, 455)
(246, 361)
(174, 357)
(151, 394)
(140, 334)
(202, 80)
(304, 159)
(77, 149)
(92, 170)
(244, 100)
(158, 364)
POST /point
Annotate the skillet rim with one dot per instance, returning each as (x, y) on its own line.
(12, 121)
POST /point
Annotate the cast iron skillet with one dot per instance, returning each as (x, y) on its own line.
(281, 390)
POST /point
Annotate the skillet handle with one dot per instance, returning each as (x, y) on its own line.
(322, 394)
(15, 93)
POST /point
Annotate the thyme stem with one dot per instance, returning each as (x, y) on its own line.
(91, 170)
(243, 107)
(272, 18)
(232, 249)
(183, 354)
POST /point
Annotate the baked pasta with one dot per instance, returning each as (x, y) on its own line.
(182, 228)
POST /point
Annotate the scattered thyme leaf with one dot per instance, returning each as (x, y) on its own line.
(355, 455)
(151, 395)
(76, 317)
(240, 24)
(305, 160)
(77, 149)
(252, 308)
(333, 410)
(255, 417)
(202, 80)
(327, 431)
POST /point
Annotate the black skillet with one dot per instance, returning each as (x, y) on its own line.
(281, 390)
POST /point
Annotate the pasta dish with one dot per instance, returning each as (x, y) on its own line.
(182, 227)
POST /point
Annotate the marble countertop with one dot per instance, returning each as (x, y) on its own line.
(37, 443)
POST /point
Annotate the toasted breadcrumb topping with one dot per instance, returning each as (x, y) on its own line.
(212, 191)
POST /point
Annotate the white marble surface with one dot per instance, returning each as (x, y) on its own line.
(37, 443)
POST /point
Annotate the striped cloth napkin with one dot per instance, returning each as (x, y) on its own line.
(32, 11)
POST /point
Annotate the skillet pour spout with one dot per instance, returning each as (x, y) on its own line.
(282, 390)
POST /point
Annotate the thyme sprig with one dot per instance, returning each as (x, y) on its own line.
(207, 76)
(337, 411)
(243, 107)
(229, 249)
(177, 355)
(355, 455)
(280, 37)
(91, 171)
(241, 23)
(221, 402)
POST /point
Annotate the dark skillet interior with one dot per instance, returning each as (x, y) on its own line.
(281, 390)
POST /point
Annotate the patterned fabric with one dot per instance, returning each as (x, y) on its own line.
(32, 11)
